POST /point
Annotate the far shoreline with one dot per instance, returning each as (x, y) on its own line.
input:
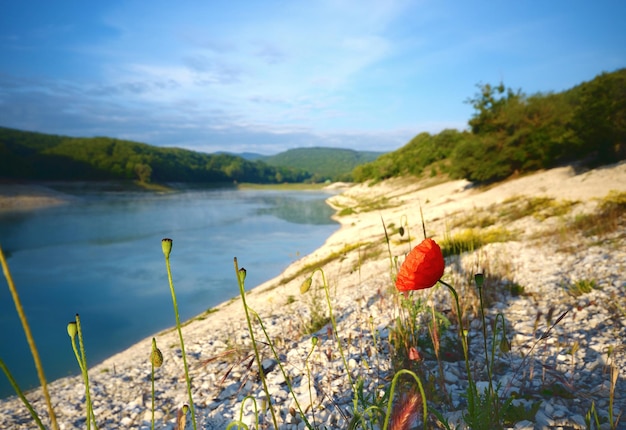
(27, 196)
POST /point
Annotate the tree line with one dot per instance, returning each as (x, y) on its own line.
(512, 133)
(36, 156)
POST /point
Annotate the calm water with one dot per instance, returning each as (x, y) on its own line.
(101, 257)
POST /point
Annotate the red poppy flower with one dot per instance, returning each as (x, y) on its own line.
(422, 268)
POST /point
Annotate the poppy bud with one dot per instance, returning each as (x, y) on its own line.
(505, 345)
(72, 329)
(306, 285)
(479, 278)
(166, 245)
(422, 268)
(156, 356)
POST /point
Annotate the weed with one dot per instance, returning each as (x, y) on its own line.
(607, 218)
(346, 212)
(582, 286)
(471, 239)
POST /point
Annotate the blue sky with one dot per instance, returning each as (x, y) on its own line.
(265, 76)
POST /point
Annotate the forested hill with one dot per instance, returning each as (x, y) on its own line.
(323, 163)
(511, 133)
(36, 156)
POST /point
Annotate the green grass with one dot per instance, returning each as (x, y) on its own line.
(608, 218)
(582, 286)
(471, 239)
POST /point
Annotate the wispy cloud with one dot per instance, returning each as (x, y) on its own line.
(267, 76)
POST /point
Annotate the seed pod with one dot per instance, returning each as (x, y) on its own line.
(166, 245)
(242, 274)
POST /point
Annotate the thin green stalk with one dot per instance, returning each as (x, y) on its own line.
(503, 339)
(256, 409)
(282, 369)
(21, 395)
(152, 375)
(478, 278)
(334, 324)
(29, 339)
(239, 425)
(156, 360)
(422, 217)
(472, 386)
(392, 392)
(314, 341)
(166, 245)
(388, 248)
(613, 375)
(241, 275)
(84, 368)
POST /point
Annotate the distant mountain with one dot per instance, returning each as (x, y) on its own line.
(250, 156)
(38, 157)
(333, 164)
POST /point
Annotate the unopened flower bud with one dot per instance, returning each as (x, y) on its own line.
(156, 356)
(242, 274)
(306, 285)
(505, 345)
(72, 329)
(166, 245)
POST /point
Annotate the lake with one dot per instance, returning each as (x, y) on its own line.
(101, 257)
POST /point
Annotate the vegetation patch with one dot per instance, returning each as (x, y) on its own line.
(609, 216)
(471, 239)
(582, 286)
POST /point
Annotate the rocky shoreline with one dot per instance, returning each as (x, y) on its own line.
(560, 376)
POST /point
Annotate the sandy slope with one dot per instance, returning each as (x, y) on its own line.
(439, 204)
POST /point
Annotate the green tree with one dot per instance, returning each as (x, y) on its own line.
(143, 172)
(600, 116)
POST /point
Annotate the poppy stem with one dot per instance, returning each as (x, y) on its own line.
(166, 245)
(463, 336)
(334, 324)
(241, 276)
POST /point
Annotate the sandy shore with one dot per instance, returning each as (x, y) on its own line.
(29, 196)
